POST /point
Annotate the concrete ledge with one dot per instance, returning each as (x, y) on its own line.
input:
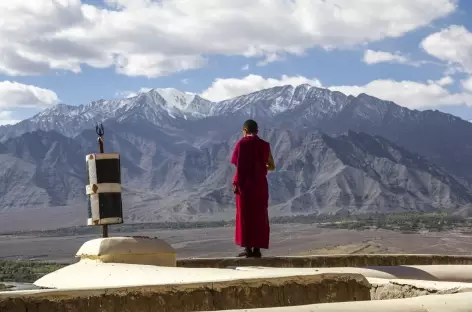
(444, 273)
(357, 260)
(88, 274)
(238, 294)
(433, 303)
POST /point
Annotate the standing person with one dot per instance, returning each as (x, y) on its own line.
(253, 159)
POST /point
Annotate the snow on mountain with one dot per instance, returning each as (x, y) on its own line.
(158, 106)
(270, 101)
(167, 105)
(176, 98)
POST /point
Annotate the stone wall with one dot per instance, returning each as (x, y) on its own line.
(327, 261)
(243, 294)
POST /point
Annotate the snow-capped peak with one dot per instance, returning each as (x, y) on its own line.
(57, 110)
(176, 97)
(179, 104)
(163, 105)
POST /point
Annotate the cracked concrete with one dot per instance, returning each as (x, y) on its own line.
(434, 303)
(400, 288)
(395, 290)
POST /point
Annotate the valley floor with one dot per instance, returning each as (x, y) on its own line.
(286, 239)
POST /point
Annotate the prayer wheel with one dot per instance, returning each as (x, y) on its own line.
(104, 189)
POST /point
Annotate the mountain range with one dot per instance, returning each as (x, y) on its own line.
(333, 153)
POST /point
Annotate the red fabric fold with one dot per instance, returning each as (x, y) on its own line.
(250, 157)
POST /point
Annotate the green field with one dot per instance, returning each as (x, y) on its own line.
(25, 271)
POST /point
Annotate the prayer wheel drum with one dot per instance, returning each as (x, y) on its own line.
(104, 189)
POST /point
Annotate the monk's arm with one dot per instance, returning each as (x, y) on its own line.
(234, 161)
(235, 155)
(270, 162)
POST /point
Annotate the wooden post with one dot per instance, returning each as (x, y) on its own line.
(101, 131)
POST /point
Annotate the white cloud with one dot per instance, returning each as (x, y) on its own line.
(375, 57)
(153, 38)
(467, 84)
(7, 119)
(270, 58)
(16, 95)
(452, 45)
(445, 81)
(411, 94)
(130, 94)
(245, 67)
(225, 88)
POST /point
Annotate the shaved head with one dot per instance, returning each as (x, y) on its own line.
(251, 126)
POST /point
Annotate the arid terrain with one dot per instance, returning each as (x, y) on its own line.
(286, 239)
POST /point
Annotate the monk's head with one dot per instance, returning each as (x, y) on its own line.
(250, 127)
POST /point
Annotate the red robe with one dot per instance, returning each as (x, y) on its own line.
(250, 157)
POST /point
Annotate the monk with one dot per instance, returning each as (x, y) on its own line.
(253, 159)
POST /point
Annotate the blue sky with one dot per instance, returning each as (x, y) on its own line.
(420, 51)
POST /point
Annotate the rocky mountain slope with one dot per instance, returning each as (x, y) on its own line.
(167, 180)
(431, 134)
(333, 152)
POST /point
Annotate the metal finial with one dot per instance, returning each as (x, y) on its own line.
(99, 129)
